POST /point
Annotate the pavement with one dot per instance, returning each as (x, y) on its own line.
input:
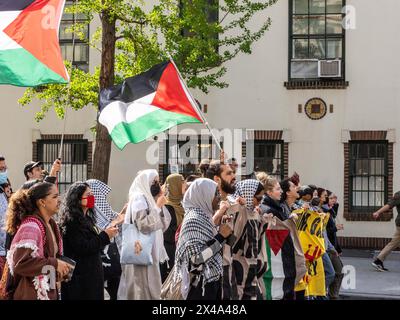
(363, 282)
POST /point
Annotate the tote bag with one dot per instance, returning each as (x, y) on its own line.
(136, 246)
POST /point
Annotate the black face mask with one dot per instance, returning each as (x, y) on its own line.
(155, 189)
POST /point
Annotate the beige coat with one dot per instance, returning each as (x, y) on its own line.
(144, 282)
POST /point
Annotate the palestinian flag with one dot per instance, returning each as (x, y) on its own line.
(286, 263)
(145, 105)
(30, 53)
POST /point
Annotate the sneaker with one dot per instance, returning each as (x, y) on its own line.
(378, 265)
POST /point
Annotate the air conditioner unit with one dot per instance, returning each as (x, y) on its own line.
(329, 68)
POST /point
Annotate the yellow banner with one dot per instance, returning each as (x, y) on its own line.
(310, 225)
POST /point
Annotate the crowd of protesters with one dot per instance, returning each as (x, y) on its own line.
(207, 234)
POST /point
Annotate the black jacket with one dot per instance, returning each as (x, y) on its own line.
(84, 244)
(271, 206)
(169, 244)
(331, 227)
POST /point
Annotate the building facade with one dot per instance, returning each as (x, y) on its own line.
(313, 97)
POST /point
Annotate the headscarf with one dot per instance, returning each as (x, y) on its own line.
(197, 230)
(140, 198)
(200, 195)
(103, 210)
(247, 189)
(175, 196)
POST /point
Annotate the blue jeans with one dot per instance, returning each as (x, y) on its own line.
(328, 269)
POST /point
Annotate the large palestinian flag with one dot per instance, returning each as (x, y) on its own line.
(145, 105)
(30, 53)
(286, 263)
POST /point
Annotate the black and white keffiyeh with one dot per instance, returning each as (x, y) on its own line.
(247, 189)
(103, 210)
(198, 231)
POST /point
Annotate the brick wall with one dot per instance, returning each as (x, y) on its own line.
(363, 243)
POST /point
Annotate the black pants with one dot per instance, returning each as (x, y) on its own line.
(112, 287)
(212, 291)
(300, 295)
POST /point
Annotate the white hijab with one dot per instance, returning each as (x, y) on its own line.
(200, 195)
(138, 192)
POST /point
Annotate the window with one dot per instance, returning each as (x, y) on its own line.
(184, 156)
(268, 157)
(79, 58)
(368, 175)
(74, 160)
(316, 33)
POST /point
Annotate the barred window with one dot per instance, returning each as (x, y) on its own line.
(185, 156)
(74, 160)
(368, 175)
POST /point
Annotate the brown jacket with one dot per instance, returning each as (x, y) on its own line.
(26, 267)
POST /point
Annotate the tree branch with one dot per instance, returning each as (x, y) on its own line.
(139, 22)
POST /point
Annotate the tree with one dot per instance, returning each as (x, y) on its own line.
(201, 35)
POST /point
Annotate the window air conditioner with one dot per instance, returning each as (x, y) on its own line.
(329, 68)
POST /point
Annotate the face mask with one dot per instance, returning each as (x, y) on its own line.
(90, 201)
(3, 177)
(155, 189)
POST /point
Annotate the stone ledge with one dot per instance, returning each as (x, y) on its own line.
(315, 84)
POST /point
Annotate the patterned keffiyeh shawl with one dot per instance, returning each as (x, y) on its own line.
(32, 235)
(197, 230)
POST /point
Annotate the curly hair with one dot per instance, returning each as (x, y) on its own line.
(71, 209)
(23, 203)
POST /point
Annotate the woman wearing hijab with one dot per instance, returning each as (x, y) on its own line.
(245, 251)
(199, 249)
(175, 188)
(146, 209)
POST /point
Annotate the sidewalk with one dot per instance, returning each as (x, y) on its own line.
(370, 283)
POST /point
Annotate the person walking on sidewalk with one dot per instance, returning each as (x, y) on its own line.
(394, 202)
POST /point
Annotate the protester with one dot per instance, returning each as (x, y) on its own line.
(334, 255)
(189, 179)
(200, 244)
(104, 217)
(4, 196)
(279, 203)
(175, 189)
(329, 248)
(395, 242)
(203, 167)
(225, 177)
(234, 164)
(37, 244)
(271, 201)
(331, 206)
(288, 198)
(3, 172)
(246, 248)
(34, 171)
(147, 210)
(83, 243)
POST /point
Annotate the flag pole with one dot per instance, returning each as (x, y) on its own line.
(69, 90)
(194, 104)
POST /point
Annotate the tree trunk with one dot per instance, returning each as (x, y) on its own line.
(102, 152)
